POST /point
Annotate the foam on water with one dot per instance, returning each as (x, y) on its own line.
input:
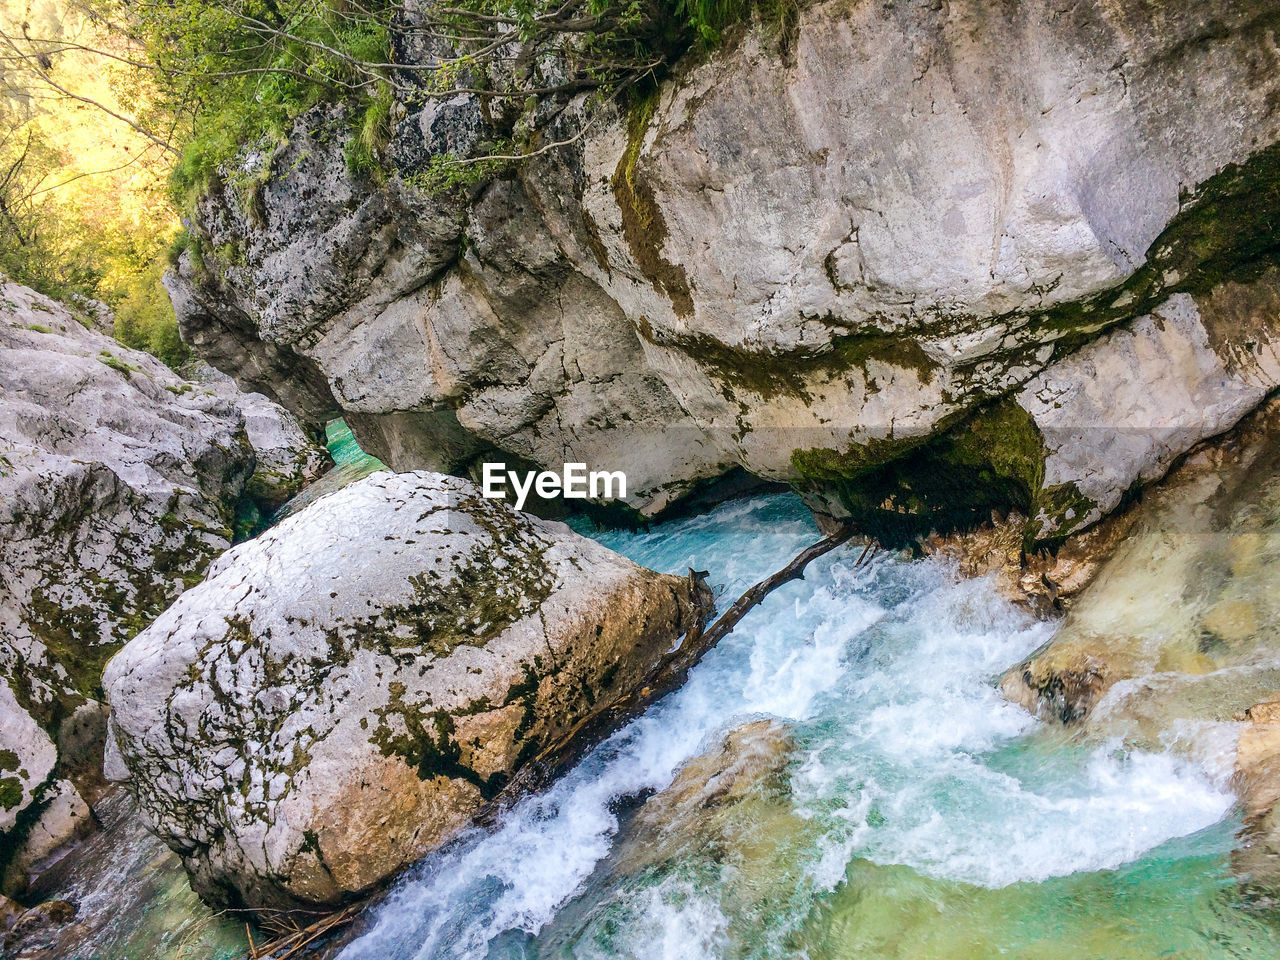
(905, 755)
(911, 726)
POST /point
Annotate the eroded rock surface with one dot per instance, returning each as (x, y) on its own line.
(1189, 594)
(1116, 415)
(858, 257)
(118, 485)
(27, 758)
(286, 458)
(346, 692)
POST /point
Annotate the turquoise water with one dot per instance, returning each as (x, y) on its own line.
(133, 898)
(915, 814)
(350, 463)
(345, 449)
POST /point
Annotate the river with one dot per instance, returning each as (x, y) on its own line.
(895, 806)
(915, 814)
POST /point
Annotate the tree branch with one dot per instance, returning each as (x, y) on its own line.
(43, 74)
(667, 674)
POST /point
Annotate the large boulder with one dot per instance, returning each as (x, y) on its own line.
(856, 255)
(346, 692)
(1118, 413)
(119, 483)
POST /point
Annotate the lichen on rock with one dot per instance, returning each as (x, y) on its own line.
(118, 485)
(346, 692)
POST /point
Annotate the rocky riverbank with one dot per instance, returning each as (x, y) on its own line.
(119, 483)
(1175, 642)
(1019, 311)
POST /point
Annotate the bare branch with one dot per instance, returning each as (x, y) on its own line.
(95, 173)
(34, 65)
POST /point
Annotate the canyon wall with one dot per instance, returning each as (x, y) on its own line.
(919, 261)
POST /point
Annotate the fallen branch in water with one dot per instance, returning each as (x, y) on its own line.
(292, 943)
(665, 676)
(792, 571)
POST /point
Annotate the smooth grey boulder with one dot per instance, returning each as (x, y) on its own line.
(118, 485)
(832, 257)
(346, 692)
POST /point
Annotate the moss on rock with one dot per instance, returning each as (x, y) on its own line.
(993, 460)
(643, 225)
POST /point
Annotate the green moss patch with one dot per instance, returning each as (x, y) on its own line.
(116, 364)
(10, 792)
(1224, 232)
(769, 375)
(643, 226)
(992, 461)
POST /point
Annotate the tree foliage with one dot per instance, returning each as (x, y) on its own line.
(196, 81)
(221, 74)
(83, 206)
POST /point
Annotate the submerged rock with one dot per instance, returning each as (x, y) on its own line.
(118, 486)
(1176, 644)
(33, 935)
(1189, 595)
(748, 765)
(729, 812)
(858, 257)
(345, 693)
(1257, 779)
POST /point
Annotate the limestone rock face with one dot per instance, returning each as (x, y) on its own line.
(118, 482)
(344, 693)
(26, 759)
(1117, 413)
(858, 258)
(286, 459)
(438, 359)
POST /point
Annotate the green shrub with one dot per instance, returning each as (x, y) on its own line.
(371, 135)
(144, 316)
(239, 71)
